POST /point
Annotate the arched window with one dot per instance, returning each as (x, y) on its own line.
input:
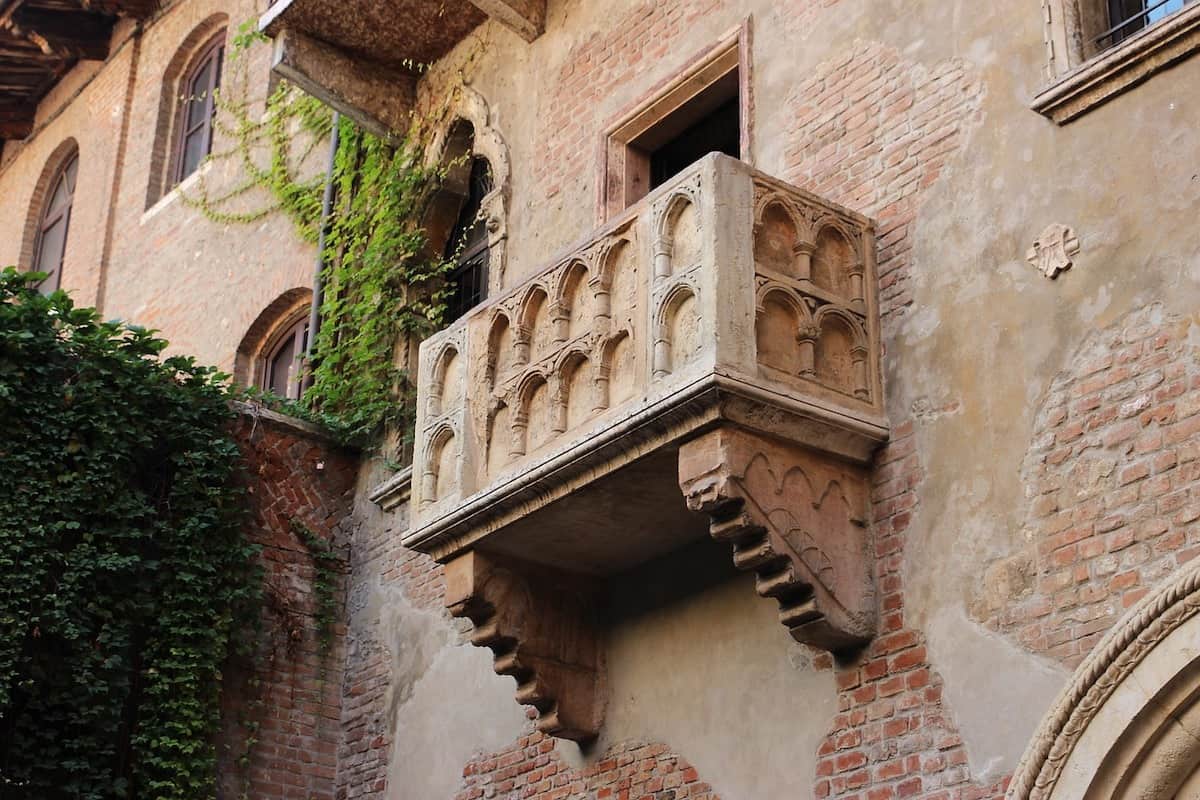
(283, 372)
(467, 245)
(53, 224)
(196, 106)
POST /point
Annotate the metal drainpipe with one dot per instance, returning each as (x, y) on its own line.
(314, 316)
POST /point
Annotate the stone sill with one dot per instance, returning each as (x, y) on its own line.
(170, 197)
(393, 492)
(296, 426)
(1122, 67)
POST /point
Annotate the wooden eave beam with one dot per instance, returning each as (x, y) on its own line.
(64, 33)
(526, 17)
(16, 123)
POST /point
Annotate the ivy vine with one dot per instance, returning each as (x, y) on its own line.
(384, 285)
(125, 572)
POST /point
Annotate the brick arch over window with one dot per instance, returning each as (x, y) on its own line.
(163, 156)
(62, 155)
(260, 337)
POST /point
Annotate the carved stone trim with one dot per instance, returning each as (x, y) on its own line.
(1108, 74)
(541, 626)
(1113, 659)
(797, 519)
(1053, 250)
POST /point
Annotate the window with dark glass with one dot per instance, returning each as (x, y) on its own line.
(283, 372)
(55, 221)
(1127, 17)
(196, 107)
(467, 246)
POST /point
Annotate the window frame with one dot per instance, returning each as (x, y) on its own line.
(211, 52)
(49, 215)
(294, 323)
(624, 166)
(1080, 78)
(477, 256)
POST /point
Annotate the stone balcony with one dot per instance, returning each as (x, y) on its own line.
(706, 364)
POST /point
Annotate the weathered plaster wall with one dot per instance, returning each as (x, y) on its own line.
(917, 114)
(914, 112)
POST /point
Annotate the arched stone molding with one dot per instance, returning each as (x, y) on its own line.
(66, 150)
(1128, 724)
(166, 127)
(280, 315)
(471, 108)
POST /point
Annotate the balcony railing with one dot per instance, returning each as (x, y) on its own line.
(714, 349)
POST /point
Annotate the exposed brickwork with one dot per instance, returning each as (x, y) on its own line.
(293, 706)
(531, 769)
(897, 125)
(593, 71)
(893, 736)
(1111, 479)
(365, 745)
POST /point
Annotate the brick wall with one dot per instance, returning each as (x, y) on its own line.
(290, 697)
(1111, 480)
(894, 736)
(202, 284)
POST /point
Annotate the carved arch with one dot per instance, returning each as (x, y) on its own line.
(437, 383)
(788, 297)
(855, 326)
(667, 325)
(166, 129)
(469, 110)
(666, 227)
(497, 349)
(438, 457)
(1124, 726)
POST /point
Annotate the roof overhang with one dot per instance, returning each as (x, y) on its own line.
(41, 40)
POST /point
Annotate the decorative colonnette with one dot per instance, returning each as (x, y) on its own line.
(720, 337)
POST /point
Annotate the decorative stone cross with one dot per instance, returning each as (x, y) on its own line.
(1051, 252)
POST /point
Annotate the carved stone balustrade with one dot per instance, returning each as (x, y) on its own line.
(708, 363)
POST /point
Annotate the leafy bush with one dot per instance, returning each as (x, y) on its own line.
(125, 575)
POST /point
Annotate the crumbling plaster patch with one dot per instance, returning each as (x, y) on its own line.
(446, 701)
(714, 670)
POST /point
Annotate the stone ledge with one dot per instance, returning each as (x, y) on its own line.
(1122, 67)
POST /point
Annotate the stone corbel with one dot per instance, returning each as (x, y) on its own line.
(378, 98)
(527, 18)
(541, 627)
(797, 519)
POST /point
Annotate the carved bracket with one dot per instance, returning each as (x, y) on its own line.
(541, 626)
(797, 519)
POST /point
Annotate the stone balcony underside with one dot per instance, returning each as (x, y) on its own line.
(362, 57)
(707, 364)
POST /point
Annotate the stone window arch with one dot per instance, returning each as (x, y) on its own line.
(47, 226)
(477, 174)
(1126, 725)
(183, 131)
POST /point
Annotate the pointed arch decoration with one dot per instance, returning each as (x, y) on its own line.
(1128, 723)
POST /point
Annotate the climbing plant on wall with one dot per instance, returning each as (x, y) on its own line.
(384, 285)
(125, 575)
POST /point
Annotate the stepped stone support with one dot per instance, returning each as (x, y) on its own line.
(541, 627)
(797, 519)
